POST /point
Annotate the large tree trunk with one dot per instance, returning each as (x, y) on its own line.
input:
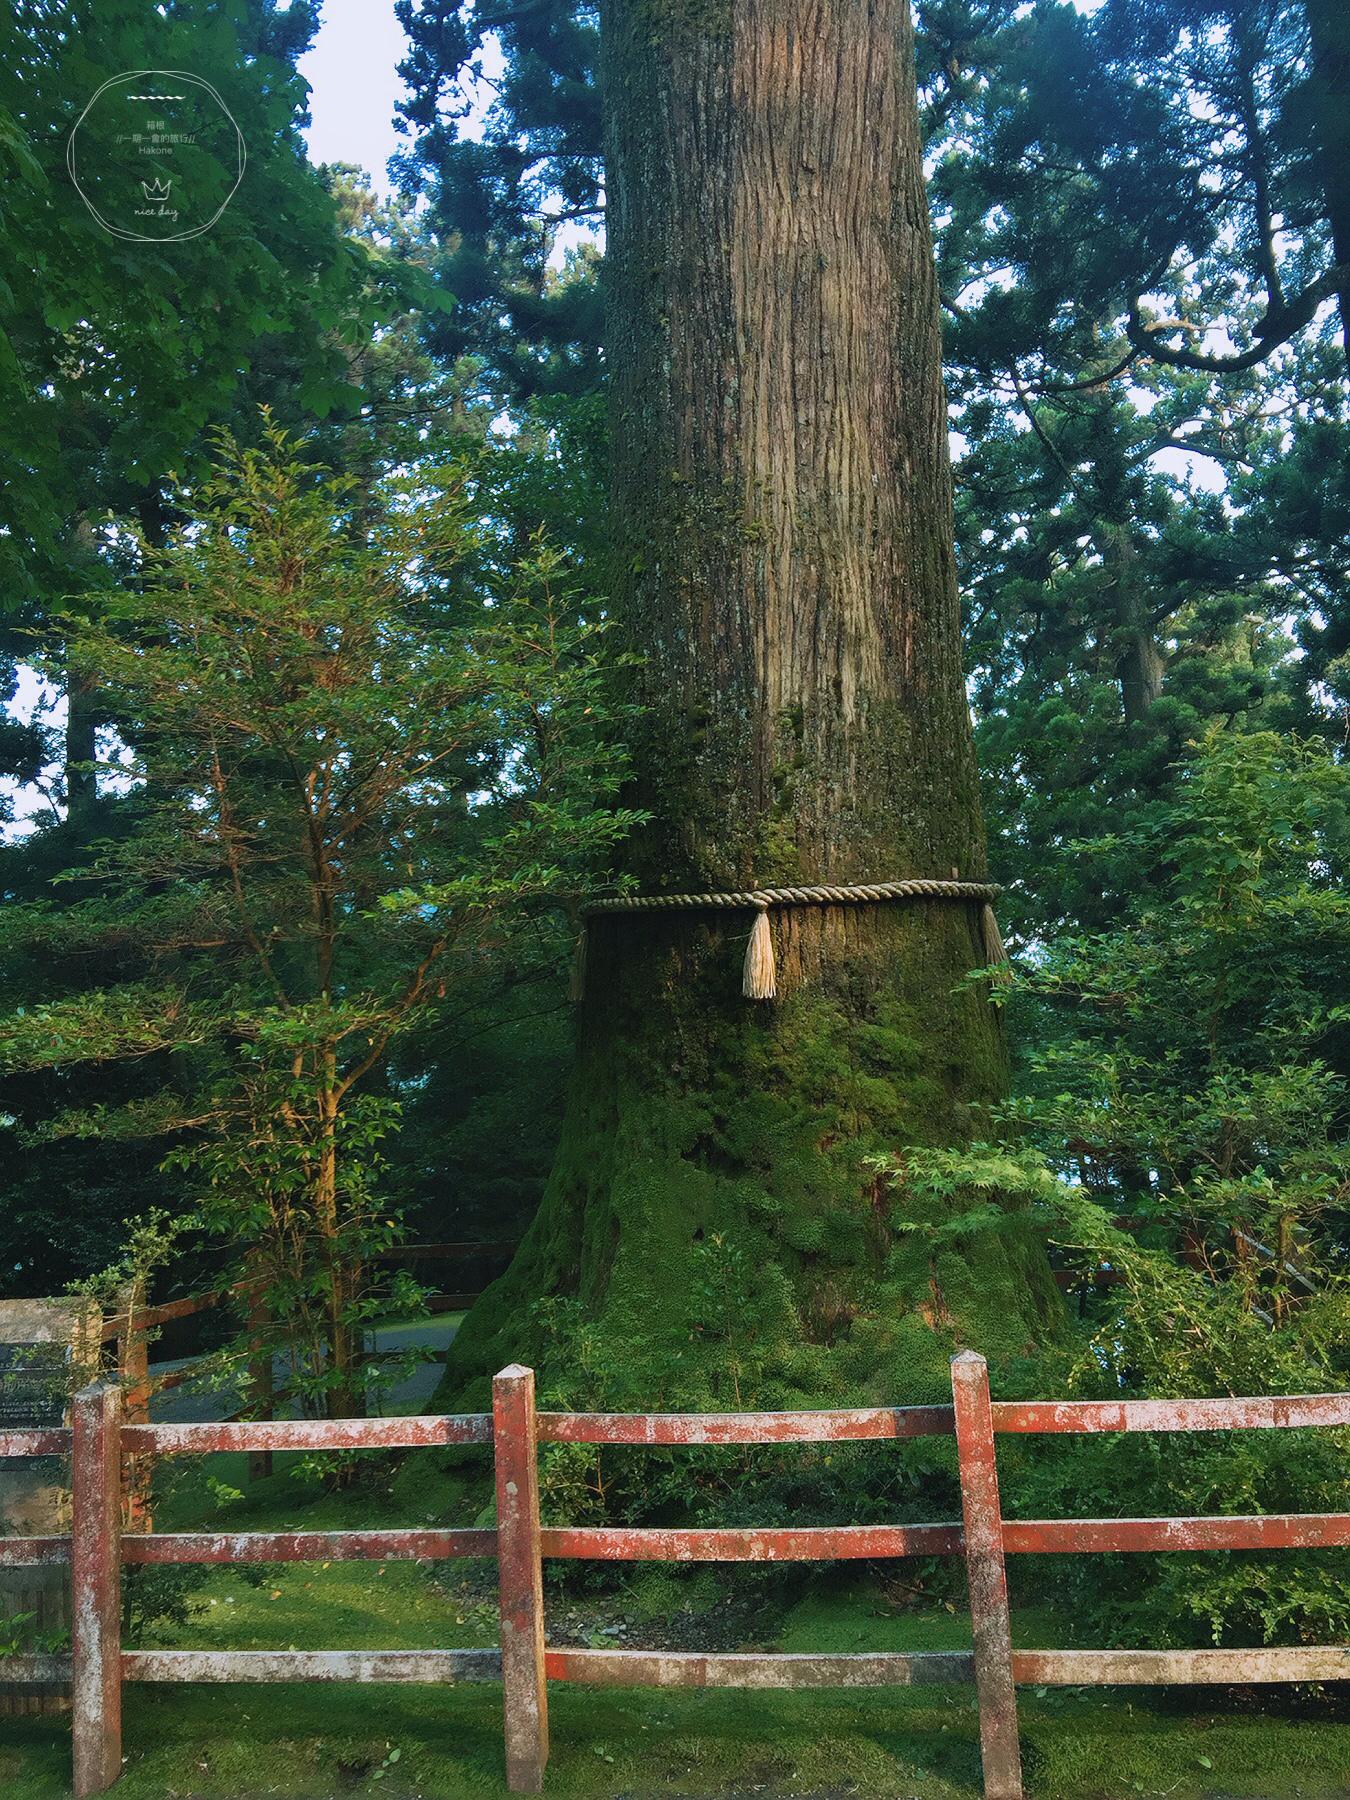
(785, 568)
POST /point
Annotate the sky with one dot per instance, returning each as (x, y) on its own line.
(354, 86)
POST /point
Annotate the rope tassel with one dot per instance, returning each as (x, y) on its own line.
(760, 979)
(995, 955)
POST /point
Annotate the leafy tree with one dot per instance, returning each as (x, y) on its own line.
(1181, 1080)
(1102, 184)
(357, 772)
(1183, 1068)
(497, 200)
(116, 357)
(1115, 609)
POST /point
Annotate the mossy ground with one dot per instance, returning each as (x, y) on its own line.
(309, 1743)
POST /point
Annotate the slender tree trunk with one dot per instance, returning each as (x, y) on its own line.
(346, 1398)
(1329, 23)
(260, 1373)
(785, 568)
(81, 778)
(1140, 664)
(81, 748)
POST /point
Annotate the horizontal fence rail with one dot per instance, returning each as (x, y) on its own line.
(307, 1546)
(98, 1442)
(1171, 1415)
(810, 1543)
(751, 1669)
(745, 1428)
(308, 1434)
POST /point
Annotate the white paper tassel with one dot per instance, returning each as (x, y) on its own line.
(761, 977)
(995, 955)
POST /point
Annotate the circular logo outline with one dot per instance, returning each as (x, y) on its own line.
(138, 237)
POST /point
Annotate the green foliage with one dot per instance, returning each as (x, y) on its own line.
(496, 198)
(1148, 543)
(1185, 1141)
(359, 766)
(1186, 1068)
(738, 1247)
(1148, 516)
(150, 1244)
(114, 355)
(1180, 1141)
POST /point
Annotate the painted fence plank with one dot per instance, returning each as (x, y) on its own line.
(1262, 1531)
(35, 1668)
(745, 1428)
(52, 1442)
(520, 1578)
(1172, 1415)
(745, 1669)
(991, 1631)
(309, 1434)
(1130, 1668)
(307, 1546)
(311, 1665)
(19, 1550)
(825, 1543)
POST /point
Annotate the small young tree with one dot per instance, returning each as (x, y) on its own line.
(361, 760)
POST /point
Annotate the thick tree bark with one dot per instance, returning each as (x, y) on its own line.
(781, 476)
(785, 569)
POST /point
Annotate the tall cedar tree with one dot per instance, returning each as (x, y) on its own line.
(1138, 254)
(784, 568)
(1100, 185)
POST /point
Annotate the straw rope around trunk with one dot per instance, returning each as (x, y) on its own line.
(760, 980)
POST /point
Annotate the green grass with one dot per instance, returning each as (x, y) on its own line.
(241, 1742)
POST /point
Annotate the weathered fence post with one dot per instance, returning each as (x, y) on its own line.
(520, 1579)
(991, 1629)
(96, 1587)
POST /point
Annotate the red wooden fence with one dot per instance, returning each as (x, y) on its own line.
(98, 1440)
(133, 1320)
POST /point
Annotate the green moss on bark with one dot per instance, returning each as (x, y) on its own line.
(712, 1211)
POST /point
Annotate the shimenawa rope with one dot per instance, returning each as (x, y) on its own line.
(760, 980)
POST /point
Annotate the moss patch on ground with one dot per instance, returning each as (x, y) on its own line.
(646, 1744)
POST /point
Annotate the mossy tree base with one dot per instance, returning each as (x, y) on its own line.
(713, 1213)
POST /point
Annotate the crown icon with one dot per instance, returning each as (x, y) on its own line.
(156, 190)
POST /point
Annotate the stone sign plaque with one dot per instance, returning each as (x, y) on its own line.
(34, 1383)
(48, 1348)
